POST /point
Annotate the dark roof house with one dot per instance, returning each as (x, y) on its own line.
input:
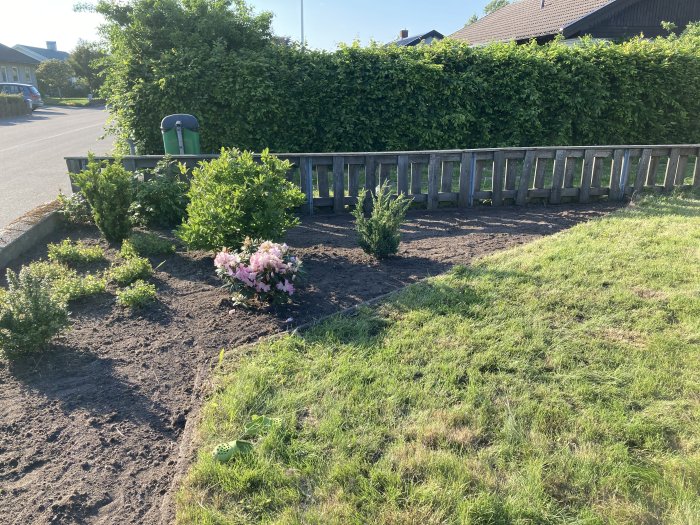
(543, 20)
(39, 53)
(423, 38)
(16, 66)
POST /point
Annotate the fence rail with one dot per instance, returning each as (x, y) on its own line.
(466, 178)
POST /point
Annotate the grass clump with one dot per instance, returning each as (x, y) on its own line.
(553, 383)
(137, 295)
(70, 252)
(30, 314)
(131, 270)
(378, 234)
(146, 245)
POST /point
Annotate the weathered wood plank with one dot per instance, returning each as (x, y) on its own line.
(569, 171)
(525, 178)
(370, 182)
(680, 170)
(584, 195)
(642, 170)
(498, 178)
(472, 179)
(447, 170)
(354, 179)
(511, 173)
(479, 176)
(385, 173)
(433, 182)
(307, 184)
(671, 169)
(540, 168)
(464, 183)
(616, 193)
(558, 177)
(402, 175)
(416, 178)
(322, 177)
(597, 176)
(338, 184)
(448, 196)
(696, 175)
(652, 173)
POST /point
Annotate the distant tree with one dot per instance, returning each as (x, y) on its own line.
(473, 19)
(495, 5)
(88, 62)
(54, 76)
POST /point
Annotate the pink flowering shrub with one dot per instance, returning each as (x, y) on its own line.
(261, 270)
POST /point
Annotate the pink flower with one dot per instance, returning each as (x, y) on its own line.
(225, 259)
(287, 287)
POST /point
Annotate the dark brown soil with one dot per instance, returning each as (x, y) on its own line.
(92, 431)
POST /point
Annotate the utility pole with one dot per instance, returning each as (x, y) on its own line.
(303, 42)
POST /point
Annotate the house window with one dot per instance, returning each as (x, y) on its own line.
(3, 74)
(28, 75)
(15, 74)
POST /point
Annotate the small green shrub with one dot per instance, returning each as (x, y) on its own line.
(75, 209)
(65, 283)
(378, 234)
(137, 295)
(234, 197)
(30, 314)
(161, 200)
(146, 245)
(108, 188)
(70, 252)
(133, 269)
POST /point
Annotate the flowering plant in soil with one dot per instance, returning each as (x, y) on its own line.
(260, 270)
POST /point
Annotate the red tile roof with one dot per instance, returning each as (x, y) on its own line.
(527, 19)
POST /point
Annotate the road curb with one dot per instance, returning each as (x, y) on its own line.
(26, 232)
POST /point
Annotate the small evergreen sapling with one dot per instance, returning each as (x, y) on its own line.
(378, 234)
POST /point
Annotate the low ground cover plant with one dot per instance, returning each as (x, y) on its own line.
(69, 252)
(137, 295)
(161, 199)
(65, 283)
(30, 314)
(552, 383)
(146, 245)
(265, 271)
(75, 209)
(234, 197)
(130, 270)
(378, 234)
(108, 188)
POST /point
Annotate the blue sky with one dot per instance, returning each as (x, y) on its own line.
(328, 22)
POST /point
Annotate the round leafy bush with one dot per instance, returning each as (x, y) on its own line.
(108, 188)
(234, 197)
(30, 313)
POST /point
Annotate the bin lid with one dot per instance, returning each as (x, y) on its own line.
(187, 121)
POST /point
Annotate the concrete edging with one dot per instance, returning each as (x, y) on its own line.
(25, 233)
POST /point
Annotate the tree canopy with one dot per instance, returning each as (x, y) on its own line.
(54, 76)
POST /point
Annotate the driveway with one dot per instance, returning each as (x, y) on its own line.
(32, 169)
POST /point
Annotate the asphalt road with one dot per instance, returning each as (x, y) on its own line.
(32, 169)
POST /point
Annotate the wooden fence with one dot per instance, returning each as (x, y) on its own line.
(465, 178)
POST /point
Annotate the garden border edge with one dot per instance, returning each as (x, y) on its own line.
(26, 232)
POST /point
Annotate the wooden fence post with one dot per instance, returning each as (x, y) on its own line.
(370, 181)
(322, 178)
(615, 193)
(558, 177)
(307, 182)
(446, 182)
(587, 176)
(472, 179)
(696, 175)
(464, 168)
(338, 184)
(680, 170)
(671, 169)
(498, 178)
(433, 172)
(402, 175)
(525, 178)
(642, 170)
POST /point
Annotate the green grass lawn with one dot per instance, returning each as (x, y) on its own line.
(558, 382)
(73, 102)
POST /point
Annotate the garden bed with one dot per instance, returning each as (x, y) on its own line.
(91, 431)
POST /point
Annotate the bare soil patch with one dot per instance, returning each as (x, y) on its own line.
(92, 430)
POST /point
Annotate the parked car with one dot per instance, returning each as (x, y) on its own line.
(31, 94)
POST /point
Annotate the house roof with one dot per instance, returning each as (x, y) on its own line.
(7, 54)
(527, 19)
(46, 54)
(416, 39)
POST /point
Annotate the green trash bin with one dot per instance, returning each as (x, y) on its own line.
(180, 135)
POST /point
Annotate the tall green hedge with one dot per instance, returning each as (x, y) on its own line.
(447, 95)
(12, 106)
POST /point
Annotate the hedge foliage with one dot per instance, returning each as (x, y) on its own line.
(12, 106)
(252, 93)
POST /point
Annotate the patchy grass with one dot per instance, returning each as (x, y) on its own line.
(71, 102)
(555, 383)
(69, 252)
